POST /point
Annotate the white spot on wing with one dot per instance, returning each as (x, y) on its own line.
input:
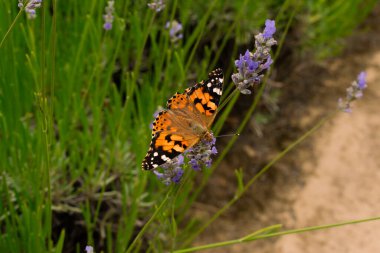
(217, 91)
(165, 158)
(155, 154)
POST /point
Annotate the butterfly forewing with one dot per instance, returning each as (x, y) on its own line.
(205, 96)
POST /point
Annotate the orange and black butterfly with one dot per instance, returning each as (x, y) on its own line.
(185, 122)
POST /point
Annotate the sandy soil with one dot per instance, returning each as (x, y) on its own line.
(332, 177)
(344, 182)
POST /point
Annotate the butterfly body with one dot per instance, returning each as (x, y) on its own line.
(185, 122)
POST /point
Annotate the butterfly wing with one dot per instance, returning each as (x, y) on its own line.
(172, 133)
(205, 96)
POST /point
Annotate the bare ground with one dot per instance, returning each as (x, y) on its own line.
(332, 177)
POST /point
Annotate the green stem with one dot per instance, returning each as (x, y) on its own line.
(11, 27)
(275, 234)
(151, 219)
(314, 228)
(227, 99)
(209, 246)
(47, 114)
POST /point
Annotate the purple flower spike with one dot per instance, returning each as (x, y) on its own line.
(200, 154)
(157, 5)
(251, 66)
(108, 17)
(175, 29)
(355, 91)
(30, 8)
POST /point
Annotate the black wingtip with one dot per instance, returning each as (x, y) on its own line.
(145, 165)
(216, 73)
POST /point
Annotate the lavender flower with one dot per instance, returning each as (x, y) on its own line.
(355, 91)
(30, 8)
(172, 171)
(175, 30)
(251, 65)
(89, 249)
(108, 17)
(200, 154)
(157, 5)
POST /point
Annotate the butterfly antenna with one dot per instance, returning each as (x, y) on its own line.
(227, 135)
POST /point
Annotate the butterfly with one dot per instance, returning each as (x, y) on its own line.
(185, 122)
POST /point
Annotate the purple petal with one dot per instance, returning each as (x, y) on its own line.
(107, 26)
(247, 56)
(270, 29)
(362, 82)
(348, 110)
(239, 63)
(177, 177)
(268, 63)
(252, 66)
(158, 174)
(180, 160)
(214, 151)
(194, 164)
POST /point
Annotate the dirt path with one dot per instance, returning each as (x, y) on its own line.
(332, 177)
(344, 183)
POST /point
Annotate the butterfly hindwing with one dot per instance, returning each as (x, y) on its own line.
(165, 146)
(161, 150)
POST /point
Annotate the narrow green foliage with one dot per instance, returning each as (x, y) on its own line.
(328, 22)
(240, 182)
(272, 231)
